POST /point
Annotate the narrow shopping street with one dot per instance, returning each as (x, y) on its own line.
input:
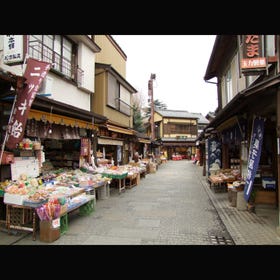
(170, 206)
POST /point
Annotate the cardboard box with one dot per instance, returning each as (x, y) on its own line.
(152, 167)
(50, 230)
(14, 198)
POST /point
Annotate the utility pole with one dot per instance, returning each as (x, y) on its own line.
(151, 95)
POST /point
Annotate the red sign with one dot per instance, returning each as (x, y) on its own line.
(253, 57)
(34, 74)
(248, 63)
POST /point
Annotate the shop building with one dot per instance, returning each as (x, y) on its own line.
(113, 99)
(77, 113)
(56, 119)
(244, 134)
(176, 131)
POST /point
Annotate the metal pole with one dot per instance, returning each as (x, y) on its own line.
(151, 93)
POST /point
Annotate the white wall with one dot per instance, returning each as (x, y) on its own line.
(61, 90)
(67, 93)
(238, 81)
(86, 61)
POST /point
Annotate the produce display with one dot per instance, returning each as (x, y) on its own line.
(35, 192)
(49, 211)
(225, 175)
(61, 183)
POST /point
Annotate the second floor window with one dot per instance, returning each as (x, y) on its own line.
(55, 49)
(189, 128)
(228, 85)
(118, 96)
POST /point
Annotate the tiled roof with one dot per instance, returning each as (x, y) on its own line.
(182, 114)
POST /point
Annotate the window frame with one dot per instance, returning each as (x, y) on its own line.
(53, 52)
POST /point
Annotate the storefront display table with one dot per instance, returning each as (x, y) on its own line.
(2, 208)
(101, 190)
(22, 218)
(120, 178)
(132, 180)
(217, 183)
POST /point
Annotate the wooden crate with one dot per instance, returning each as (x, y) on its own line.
(266, 197)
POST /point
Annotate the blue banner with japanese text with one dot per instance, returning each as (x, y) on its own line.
(254, 155)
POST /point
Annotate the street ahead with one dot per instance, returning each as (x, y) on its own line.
(170, 206)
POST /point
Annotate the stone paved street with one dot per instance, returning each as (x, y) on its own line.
(167, 207)
(173, 206)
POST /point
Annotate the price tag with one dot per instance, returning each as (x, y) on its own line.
(56, 223)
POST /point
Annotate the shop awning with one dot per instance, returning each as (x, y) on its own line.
(178, 144)
(145, 141)
(103, 141)
(47, 105)
(228, 123)
(59, 119)
(243, 98)
(119, 129)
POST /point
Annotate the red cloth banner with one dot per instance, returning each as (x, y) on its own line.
(34, 74)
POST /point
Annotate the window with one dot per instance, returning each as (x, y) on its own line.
(118, 96)
(228, 85)
(270, 45)
(57, 50)
(113, 91)
(189, 128)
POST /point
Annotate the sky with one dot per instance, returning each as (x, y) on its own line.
(179, 62)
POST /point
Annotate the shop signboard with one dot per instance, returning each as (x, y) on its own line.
(254, 155)
(253, 59)
(24, 165)
(13, 49)
(34, 74)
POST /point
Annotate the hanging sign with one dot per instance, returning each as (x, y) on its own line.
(253, 59)
(254, 155)
(13, 49)
(34, 74)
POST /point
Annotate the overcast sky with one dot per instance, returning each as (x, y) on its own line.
(179, 62)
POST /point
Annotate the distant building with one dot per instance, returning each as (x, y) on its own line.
(177, 130)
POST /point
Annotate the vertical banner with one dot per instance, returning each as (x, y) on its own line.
(34, 74)
(214, 153)
(254, 154)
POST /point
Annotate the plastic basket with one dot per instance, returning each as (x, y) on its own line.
(63, 224)
(87, 208)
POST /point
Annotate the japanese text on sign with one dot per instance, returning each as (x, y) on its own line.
(254, 155)
(35, 73)
(252, 52)
(13, 49)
